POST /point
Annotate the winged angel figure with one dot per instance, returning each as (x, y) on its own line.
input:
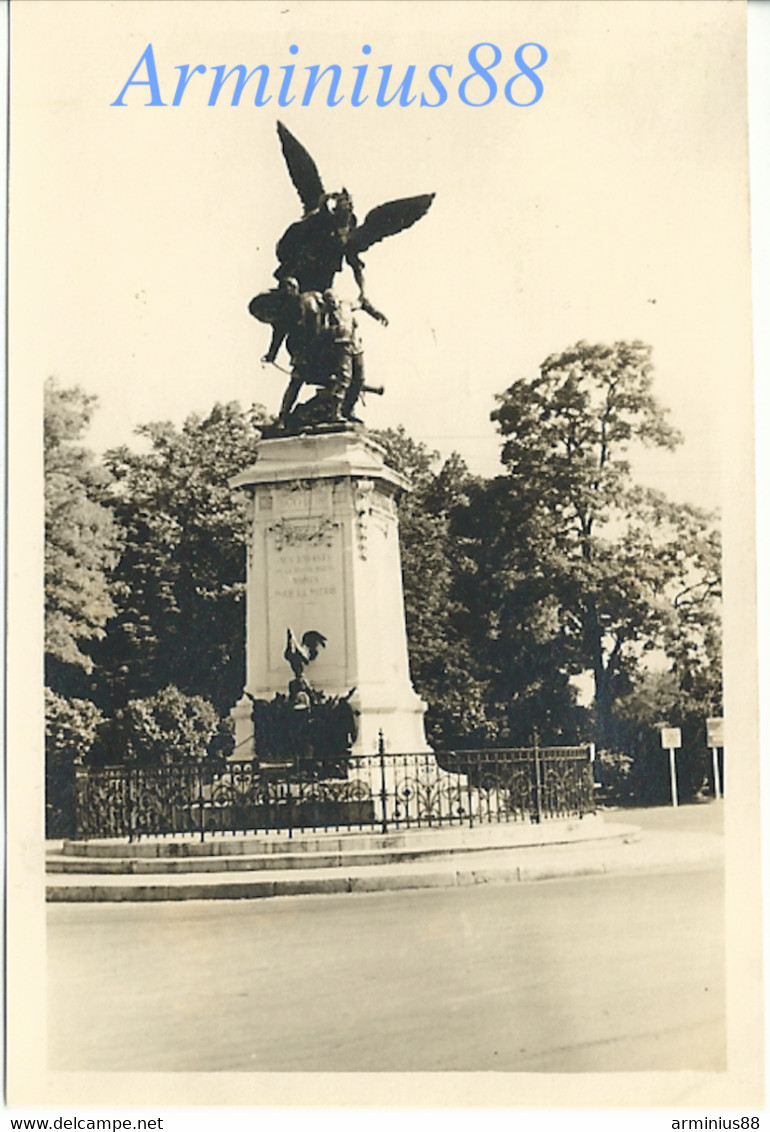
(313, 249)
(319, 330)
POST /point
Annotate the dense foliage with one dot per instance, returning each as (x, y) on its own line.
(81, 541)
(71, 727)
(165, 729)
(443, 667)
(179, 585)
(629, 575)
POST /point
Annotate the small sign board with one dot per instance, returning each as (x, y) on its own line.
(670, 738)
(715, 732)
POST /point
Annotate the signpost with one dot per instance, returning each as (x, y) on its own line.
(671, 741)
(715, 738)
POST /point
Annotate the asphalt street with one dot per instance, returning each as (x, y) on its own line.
(613, 972)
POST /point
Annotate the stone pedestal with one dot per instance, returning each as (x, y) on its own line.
(323, 554)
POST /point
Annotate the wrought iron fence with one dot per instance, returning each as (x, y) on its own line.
(371, 792)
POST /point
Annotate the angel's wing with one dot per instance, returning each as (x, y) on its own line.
(302, 169)
(388, 219)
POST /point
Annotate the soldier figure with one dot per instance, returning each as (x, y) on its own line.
(345, 356)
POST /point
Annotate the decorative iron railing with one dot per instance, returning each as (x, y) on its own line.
(371, 792)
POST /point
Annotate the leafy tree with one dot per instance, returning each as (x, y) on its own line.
(482, 629)
(81, 540)
(682, 543)
(513, 621)
(442, 666)
(181, 576)
(623, 571)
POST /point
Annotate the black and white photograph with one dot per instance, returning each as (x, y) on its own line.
(382, 655)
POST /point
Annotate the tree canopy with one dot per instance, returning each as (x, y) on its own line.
(627, 571)
(81, 539)
(180, 579)
(443, 664)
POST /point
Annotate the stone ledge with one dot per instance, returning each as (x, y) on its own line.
(452, 837)
(656, 852)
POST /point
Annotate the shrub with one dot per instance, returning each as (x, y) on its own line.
(165, 729)
(71, 727)
(614, 778)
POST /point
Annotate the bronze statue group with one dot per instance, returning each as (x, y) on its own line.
(319, 329)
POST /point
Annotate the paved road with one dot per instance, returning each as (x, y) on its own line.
(586, 974)
(694, 817)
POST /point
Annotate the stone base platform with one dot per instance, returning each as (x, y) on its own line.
(261, 865)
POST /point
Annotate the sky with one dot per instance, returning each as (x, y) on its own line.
(614, 207)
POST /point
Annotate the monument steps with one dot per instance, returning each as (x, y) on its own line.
(255, 857)
(450, 834)
(93, 871)
(306, 845)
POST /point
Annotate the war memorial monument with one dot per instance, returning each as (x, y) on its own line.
(324, 587)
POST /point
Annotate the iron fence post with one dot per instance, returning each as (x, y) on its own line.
(130, 801)
(200, 800)
(538, 783)
(383, 783)
(469, 776)
(289, 803)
